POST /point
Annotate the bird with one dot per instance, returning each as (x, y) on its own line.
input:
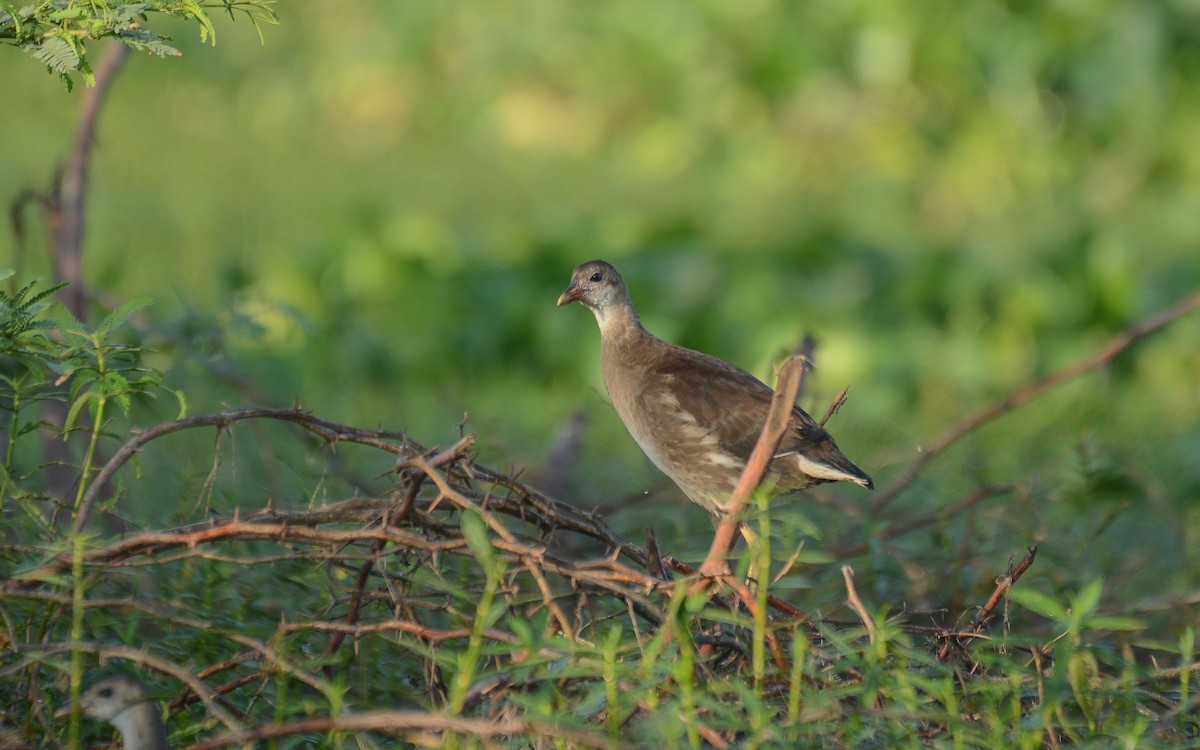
(697, 417)
(124, 702)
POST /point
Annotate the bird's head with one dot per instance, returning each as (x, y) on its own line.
(598, 286)
(110, 696)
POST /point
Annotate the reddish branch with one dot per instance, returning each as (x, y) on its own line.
(774, 602)
(516, 498)
(414, 479)
(837, 404)
(549, 515)
(952, 641)
(154, 542)
(262, 650)
(423, 632)
(715, 563)
(1002, 587)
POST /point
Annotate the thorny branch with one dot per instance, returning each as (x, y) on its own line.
(332, 433)
(414, 480)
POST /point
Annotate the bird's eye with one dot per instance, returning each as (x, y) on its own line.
(597, 276)
(106, 693)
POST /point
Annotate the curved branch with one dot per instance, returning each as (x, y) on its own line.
(158, 664)
(408, 722)
(329, 431)
(1126, 339)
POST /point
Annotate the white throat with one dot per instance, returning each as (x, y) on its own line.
(139, 726)
(612, 318)
(601, 316)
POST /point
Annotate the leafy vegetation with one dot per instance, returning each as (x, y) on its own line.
(957, 200)
(57, 32)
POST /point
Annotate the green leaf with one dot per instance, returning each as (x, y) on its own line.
(114, 384)
(81, 378)
(10, 18)
(475, 532)
(57, 54)
(143, 40)
(123, 401)
(193, 9)
(129, 12)
(37, 298)
(1086, 601)
(73, 413)
(1107, 622)
(1078, 674)
(53, 579)
(1040, 603)
(38, 424)
(119, 316)
(66, 13)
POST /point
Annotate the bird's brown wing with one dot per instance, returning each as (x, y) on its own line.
(733, 404)
(726, 399)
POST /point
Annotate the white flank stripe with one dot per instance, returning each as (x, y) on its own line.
(824, 471)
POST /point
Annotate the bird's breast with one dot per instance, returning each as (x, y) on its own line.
(670, 435)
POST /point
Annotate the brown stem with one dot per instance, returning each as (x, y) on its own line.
(756, 468)
(408, 722)
(1002, 587)
(65, 208)
(856, 603)
(1117, 345)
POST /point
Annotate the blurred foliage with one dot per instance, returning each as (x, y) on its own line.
(954, 198)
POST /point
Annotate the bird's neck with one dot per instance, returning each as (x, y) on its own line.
(141, 727)
(617, 321)
(624, 344)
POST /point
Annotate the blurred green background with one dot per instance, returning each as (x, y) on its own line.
(373, 213)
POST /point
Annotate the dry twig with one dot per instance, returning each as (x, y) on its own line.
(856, 603)
(1002, 587)
(406, 724)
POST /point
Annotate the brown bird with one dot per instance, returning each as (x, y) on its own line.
(122, 701)
(695, 416)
